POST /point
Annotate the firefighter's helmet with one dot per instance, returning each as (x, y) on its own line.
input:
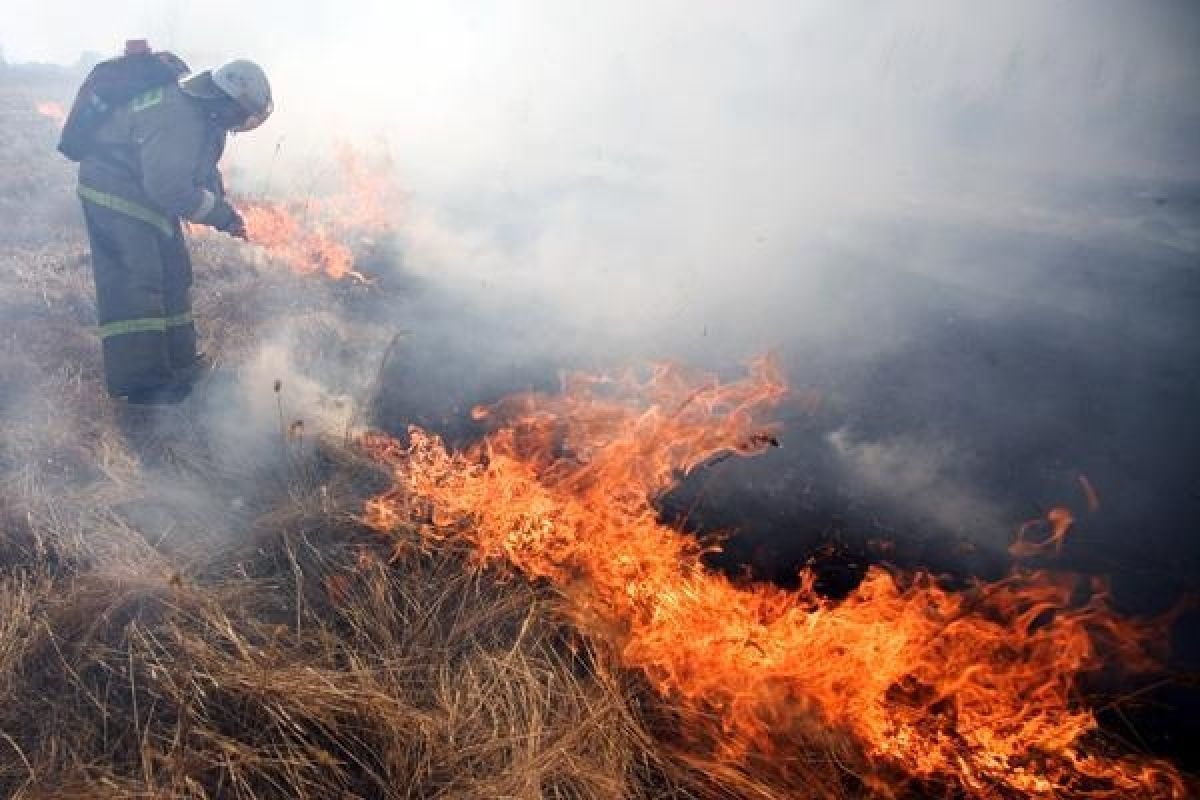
(247, 84)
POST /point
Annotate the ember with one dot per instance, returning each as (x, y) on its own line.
(973, 690)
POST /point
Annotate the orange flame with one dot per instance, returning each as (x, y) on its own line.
(308, 236)
(306, 248)
(1089, 493)
(1059, 520)
(53, 110)
(975, 690)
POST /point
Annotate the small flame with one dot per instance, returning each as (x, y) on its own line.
(306, 248)
(1058, 521)
(1089, 492)
(53, 110)
(310, 235)
(976, 690)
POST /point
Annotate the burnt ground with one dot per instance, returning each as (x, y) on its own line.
(974, 400)
(1018, 394)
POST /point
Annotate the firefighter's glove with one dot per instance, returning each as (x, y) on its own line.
(228, 220)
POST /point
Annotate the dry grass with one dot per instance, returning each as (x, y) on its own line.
(320, 670)
(309, 657)
(155, 643)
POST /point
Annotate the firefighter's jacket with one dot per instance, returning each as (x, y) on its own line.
(155, 163)
(156, 160)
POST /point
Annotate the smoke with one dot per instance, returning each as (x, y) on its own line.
(924, 475)
(962, 224)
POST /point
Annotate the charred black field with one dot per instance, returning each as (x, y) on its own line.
(197, 605)
(933, 453)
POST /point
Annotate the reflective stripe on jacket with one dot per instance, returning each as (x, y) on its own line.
(158, 152)
(144, 325)
(128, 208)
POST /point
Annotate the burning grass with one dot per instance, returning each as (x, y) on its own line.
(178, 623)
(312, 236)
(175, 624)
(975, 691)
(311, 668)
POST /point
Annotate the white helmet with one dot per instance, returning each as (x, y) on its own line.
(247, 84)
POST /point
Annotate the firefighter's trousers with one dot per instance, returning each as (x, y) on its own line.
(143, 275)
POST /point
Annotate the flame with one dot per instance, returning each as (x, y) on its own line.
(53, 110)
(308, 235)
(288, 236)
(1089, 493)
(1059, 520)
(367, 199)
(975, 690)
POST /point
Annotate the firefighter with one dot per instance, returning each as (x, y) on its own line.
(153, 163)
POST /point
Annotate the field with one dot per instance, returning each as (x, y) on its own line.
(196, 604)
